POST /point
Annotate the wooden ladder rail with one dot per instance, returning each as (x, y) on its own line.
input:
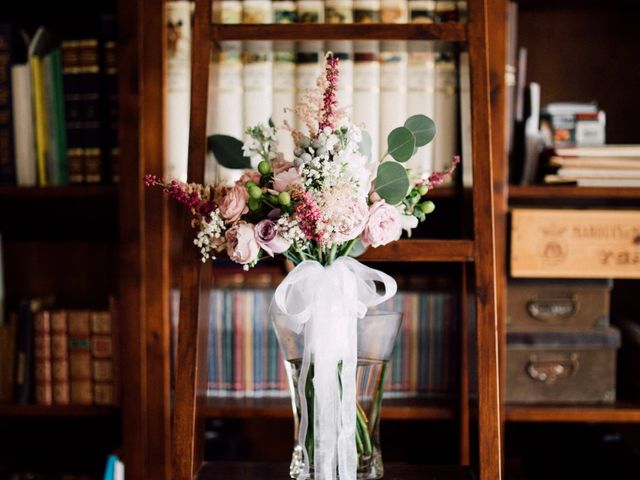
(190, 392)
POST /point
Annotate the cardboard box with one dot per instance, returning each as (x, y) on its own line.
(554, 243)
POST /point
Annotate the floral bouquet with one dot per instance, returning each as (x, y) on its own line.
(318, 206)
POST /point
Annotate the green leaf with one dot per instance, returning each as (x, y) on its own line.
(422, 127)
(365, 145)
(401, 143)
(228, 151)
(392, 182)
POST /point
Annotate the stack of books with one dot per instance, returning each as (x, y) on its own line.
(604, 166)
(58, 357)
(58, 107)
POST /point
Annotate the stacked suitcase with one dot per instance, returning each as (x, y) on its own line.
(560, 346)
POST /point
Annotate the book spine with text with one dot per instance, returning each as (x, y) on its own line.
(102, 353)
(366, 91)
(393, 88)
(109, 87)
(60, 357)
(71, 74)
(42, 352)
(257, 83)
(284, 92)
(445, 113)
(80, 378)
(89, 52)
(420, 97)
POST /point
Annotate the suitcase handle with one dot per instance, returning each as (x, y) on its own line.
(551, 370)
(552, 309)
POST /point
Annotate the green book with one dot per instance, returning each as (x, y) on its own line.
(56, 131)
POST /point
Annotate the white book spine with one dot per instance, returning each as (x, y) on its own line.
(256, 11)
(421, 99)
(465, 121)
(310, 11)
(23, 134)
(394, 11)
(284, 94)
(226, 112)
(393, 88)
(366, 92)
(178, 88)
(227, 11)
(257, 83)
(338, 11)
(444, 148)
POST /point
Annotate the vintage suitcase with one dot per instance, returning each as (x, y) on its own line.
(630, 358)
(562, 366)
(554, 304)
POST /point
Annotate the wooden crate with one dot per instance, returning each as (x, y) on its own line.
(547, 243)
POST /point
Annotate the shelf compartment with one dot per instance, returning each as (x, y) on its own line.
(422, 251)
(619, 412)
(280, 408)
(15, 410)
(452, 32)
(62, 192)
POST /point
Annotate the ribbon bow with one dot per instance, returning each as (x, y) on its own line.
(326, 302)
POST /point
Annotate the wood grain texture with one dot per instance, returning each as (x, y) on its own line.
(191, 362)
(490, 438)
(422, 251)
(393, 409)
(555, 193)
(131, 279)
(453, 32)
(57, 411)
(279, 471)
(156, 243)
(620, 412)
(499, 145)
(465, 442)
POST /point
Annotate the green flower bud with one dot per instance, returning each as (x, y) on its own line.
(255, 192)
(427, 207)
(264, 167)
(414, 197)
(284, 198)
(273, 199)
(254, 204)
(248, 184)
(423, 189)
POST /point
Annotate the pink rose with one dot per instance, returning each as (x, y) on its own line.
(354, 219)
(384, 225)
(234, 203)
(268, 238)
(280, 165)
(241, 243)
(249, 175)
(284, 180)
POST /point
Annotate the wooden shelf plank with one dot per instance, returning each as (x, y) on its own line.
(547, 192)
(280, 408)
(422, 251)
(452, 32)
(13, 410)
(619, 412)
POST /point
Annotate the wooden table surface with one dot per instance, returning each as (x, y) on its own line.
(280, 471)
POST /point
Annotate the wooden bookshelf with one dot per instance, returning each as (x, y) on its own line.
(557, 193)
(422, 251)
(451, 32)
(393, 409)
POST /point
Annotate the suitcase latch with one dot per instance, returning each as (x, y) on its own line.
(550, 370)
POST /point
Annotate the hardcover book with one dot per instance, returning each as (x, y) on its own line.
(42, 353)
(60, 357)
(80, 378)
(102, 354)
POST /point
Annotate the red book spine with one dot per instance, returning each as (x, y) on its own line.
(60, 358)
(42, 339)
(102, 358)
(80, 358)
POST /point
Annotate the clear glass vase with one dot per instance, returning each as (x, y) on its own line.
(377, 333)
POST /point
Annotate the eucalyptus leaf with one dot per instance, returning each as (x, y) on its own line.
(392, 182)
(228, 151)
(422, 127)
(365, 144)
(401, 143)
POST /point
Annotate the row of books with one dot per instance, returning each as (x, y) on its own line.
(58, 107)
(58, 357)
(380, 85)
(245, 359)
(338, 11)
(597, 166)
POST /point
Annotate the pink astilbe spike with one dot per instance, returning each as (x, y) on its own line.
(329, 101)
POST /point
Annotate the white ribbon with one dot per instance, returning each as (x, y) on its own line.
(327, 302)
